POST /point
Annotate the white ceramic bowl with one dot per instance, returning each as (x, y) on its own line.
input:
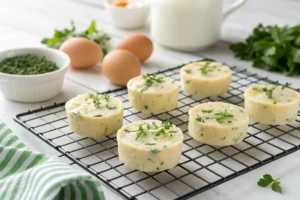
(34, 88)
(128, 17)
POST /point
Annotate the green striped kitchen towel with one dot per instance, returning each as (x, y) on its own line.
(28, 175)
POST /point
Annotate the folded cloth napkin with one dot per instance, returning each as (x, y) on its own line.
(28, 175)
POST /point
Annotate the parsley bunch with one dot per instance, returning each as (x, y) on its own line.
(267, 180)
(91, 33)
(150, 79)
(272, 48)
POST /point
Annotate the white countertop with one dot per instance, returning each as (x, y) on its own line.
(25, 23)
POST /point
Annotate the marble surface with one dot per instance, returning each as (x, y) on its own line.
(24, 23)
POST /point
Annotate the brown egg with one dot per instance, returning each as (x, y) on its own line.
(119, 66)
(138, 44)
(83, 52)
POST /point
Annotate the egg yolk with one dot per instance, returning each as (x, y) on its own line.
(121, 3)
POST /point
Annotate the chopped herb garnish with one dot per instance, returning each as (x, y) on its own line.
(155, 126)
(162, 163)
(98, 116)
(274, 102)
(207, 111)
(269, 92)
(222, 116)
(200, 119)
(223, 138)
(167, 124)
(188, 71)
(154, 150)
(100, 101)
(204, 69)
(146, 107)
(188, 81)
(111, 107)
(150, 143)
(148, 126)
(150, 79)
(267, 180)
(141, 132)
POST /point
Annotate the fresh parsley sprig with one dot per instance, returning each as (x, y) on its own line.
(272, 48)
(150, 79)
(60, 36)
(267, 180)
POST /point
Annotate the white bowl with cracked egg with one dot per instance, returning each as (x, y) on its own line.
(134, 15)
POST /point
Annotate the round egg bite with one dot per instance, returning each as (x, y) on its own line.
(94, 115)
(218, 123)
(272, 104)
(150, 145)
(153, 94)
(205, 79)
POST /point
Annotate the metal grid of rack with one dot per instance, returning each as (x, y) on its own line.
(201, 167)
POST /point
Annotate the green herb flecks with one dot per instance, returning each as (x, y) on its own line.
(98, 116)
(155, 150)
(91, 33)
(101, 101)
(167, 124)
(27, 65)
(141, 132)
(204, 70)
(188, 71)
(269, 92)
(222, 116)
(207, 111)
(150, 79)
(267, 180)
(272, 48)
(146, 107)
(200, 119)
(150, 143)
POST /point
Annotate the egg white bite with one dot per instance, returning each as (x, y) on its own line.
(218, 123)
(150, 145)
(272, 104)
(153, 94)
(205, 79)
(94, 115)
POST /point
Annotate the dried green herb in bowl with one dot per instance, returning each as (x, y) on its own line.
(27, 65)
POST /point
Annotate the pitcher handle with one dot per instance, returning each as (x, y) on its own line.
(233, 8)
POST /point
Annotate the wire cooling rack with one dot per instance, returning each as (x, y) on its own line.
(201, 167)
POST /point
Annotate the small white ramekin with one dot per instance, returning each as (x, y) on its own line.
(34, 88)
(128, 18)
